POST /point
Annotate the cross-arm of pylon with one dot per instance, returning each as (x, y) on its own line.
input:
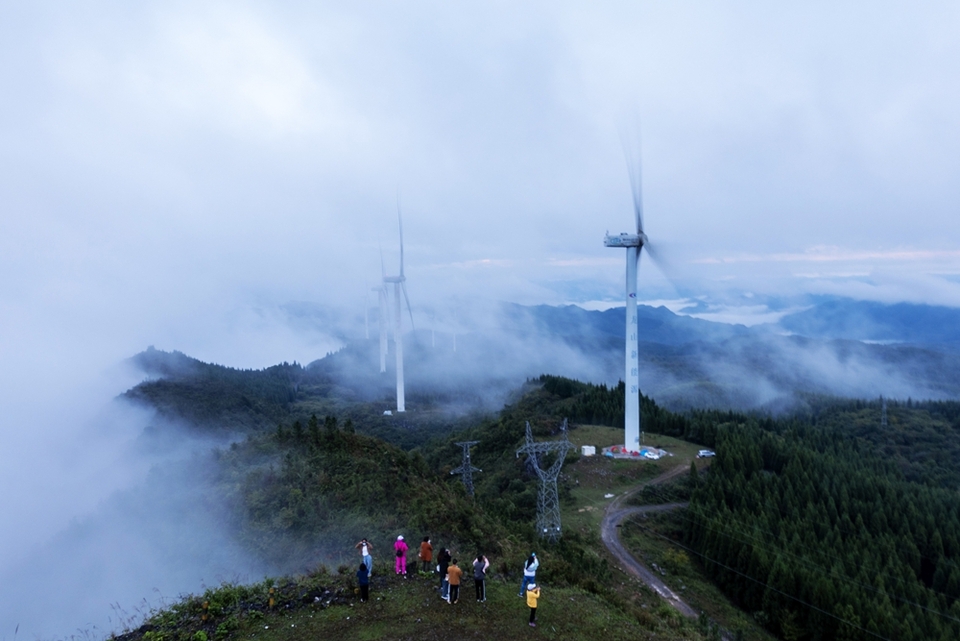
(460, 470)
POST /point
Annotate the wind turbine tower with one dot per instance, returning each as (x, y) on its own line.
(382, 300)
(399, 285)
(633, 243)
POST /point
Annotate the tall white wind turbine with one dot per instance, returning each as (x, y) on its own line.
(633, 243)
(399, 285)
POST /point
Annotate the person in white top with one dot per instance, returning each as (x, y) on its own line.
(366, 548)
(529, 572)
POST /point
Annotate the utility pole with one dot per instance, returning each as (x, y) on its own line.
(548, 502)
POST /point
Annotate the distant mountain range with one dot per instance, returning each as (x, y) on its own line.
(835, 346)
(845, 319)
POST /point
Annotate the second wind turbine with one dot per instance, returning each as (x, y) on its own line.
(399, 285)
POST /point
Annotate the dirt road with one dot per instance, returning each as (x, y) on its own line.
(609, 532)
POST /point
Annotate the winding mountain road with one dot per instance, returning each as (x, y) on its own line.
(614, 516)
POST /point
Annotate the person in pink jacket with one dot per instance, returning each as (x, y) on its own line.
(401, 548)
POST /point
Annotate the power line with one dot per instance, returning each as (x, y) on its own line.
(847, 531)
(814, 563)
(814, 566)
(765, 584)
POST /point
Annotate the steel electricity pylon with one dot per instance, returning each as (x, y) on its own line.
(466, 469)
(548, 503)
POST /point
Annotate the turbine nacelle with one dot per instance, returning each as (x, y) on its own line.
(625, 240)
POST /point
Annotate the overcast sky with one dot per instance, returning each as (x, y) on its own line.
(169, 167)
(172, 173)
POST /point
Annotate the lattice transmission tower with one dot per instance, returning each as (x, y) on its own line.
(548, 503)
(466, 469)
(883, 412)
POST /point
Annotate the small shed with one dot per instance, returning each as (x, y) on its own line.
(588, 450)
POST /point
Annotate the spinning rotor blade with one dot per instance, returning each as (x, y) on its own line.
(400, 220)
(663, 262)
(635, 173)
(383, 268)
(403, 286)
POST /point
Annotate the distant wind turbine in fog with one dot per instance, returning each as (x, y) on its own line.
(382, 300)
(634, 244)
(399, 285)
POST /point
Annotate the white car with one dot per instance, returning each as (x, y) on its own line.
(706, 453)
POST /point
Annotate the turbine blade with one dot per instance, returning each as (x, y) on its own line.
(403, 286)
(663, 262)
(634, 171)
(383, 268)
(400, 221)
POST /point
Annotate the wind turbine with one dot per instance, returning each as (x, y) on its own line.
(382, 318)
(633, 243)
(399, 285)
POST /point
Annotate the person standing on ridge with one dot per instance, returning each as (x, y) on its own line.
(529, 572)
(426, 554)
(363, 578)
(443, 563)
(480, 565)
(454, 574)
(366, 548)
(401, 549)
(533, 593)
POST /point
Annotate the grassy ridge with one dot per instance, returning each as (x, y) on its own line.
(325, 606)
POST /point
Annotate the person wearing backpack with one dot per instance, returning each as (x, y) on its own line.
(400, 547)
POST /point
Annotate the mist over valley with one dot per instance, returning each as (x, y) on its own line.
(221, 222)
(176, 525)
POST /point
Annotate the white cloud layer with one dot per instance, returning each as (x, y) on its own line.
(173, 171)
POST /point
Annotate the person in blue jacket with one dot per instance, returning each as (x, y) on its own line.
(363, 578)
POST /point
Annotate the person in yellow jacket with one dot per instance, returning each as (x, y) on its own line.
(533, 593)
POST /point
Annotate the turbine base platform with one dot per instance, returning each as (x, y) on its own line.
(644, 453)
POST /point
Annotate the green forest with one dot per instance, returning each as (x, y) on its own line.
(826, 523)
(830, 526)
